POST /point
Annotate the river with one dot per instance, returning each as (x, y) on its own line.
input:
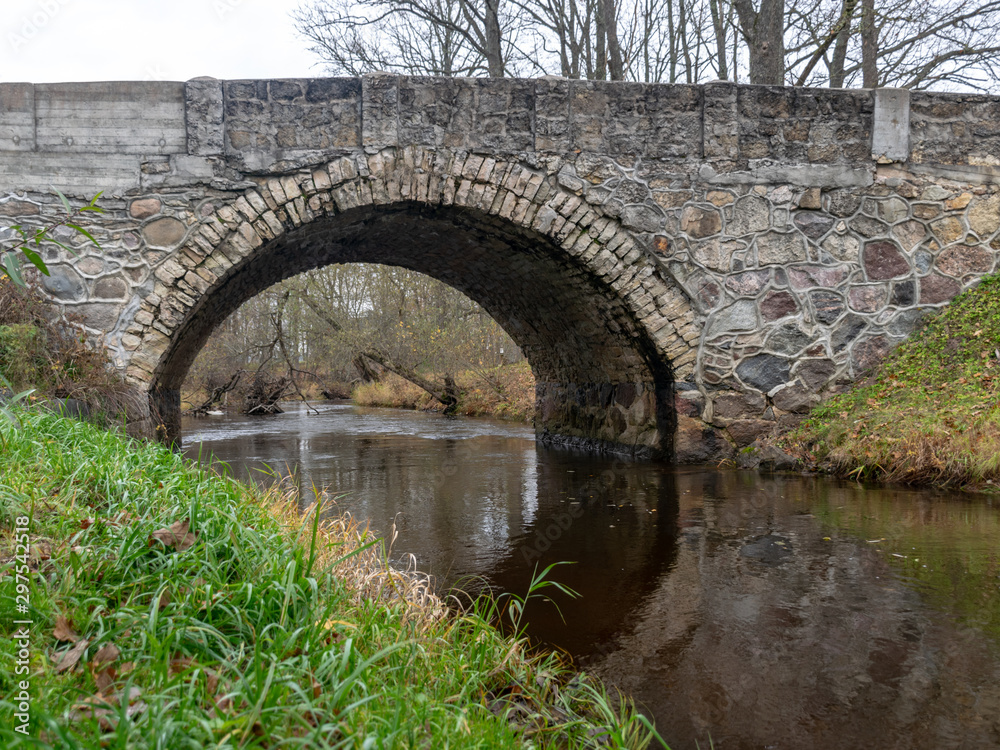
(745, 610)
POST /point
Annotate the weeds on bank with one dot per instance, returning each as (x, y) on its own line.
(175, 608)
(55, 359)
(931, 413)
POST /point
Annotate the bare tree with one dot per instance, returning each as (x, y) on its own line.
(419, 37)
(906, 43)
(763, 31)
(916, 44)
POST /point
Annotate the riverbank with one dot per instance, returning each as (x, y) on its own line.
(506, 392)
(930, 414)
(171, 606)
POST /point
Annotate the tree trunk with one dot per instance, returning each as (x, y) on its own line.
(764, 32)
(609, 14)
(718, 24)
(601, 66)
(840, 45)
(447, 395)
(494, 46)
(869, 45)
(366, 372)
(838, 33)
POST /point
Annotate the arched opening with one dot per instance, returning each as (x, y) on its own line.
(600, 382)
(380, 335)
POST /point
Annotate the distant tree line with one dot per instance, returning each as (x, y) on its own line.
(914, 44)
(327, 329)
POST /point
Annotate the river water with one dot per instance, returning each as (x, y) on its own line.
(745, 610)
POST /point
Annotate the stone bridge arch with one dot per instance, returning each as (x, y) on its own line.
(605, 332)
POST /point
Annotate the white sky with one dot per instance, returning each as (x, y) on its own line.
(47, 41)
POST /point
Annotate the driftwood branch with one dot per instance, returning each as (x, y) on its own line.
(217, 393)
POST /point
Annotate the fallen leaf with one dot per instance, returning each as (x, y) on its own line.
(69, 659)
(86, 523)
(164, 599)
(181, 664)
(178, 535)
(63, 631)
(105, 679)
(109, 652)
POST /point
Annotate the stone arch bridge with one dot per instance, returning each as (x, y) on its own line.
(685, 267)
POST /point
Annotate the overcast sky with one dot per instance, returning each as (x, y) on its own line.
(43, 41)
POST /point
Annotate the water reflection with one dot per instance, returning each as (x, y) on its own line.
(782, 612)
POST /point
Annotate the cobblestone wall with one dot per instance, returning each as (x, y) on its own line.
(686, 267)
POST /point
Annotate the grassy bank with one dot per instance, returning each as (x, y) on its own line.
(506, 392)
(172, 608)
(931, 413)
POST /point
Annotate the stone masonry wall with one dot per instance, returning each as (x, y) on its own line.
(757, 248)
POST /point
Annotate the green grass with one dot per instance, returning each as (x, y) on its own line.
(269, 630)
(932, 411)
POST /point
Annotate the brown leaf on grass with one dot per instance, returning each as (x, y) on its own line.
(109, 652)
(63, 631)
(164, 599)
(178, 536)
(180, 664)
(69, 659)
(105, 680)
(127, 667)
(211, 682)
(86, 523)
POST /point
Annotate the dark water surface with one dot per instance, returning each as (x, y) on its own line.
(755, 611)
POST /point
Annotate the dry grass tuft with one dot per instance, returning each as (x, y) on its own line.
(355, 555)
